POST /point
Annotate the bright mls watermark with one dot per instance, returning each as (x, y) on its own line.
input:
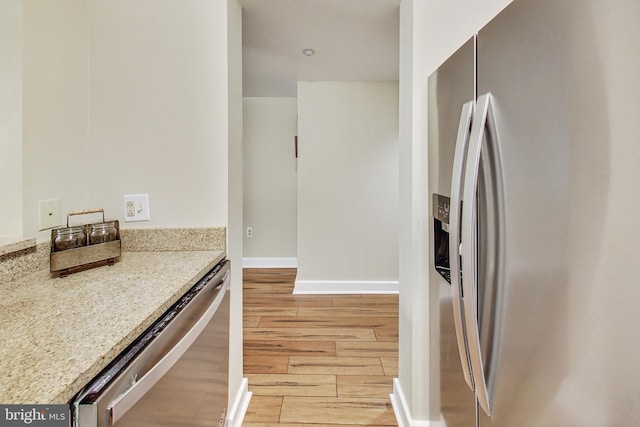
(35, 415)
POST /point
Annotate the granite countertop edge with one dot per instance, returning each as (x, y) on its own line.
(61, 332)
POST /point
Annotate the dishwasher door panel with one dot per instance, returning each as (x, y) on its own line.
(175, 374)
(195, 391)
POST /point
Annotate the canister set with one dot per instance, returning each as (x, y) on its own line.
(79, 245)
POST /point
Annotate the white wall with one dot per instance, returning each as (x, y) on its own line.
(347, 182)
(158, 109)
(270, 177)
(126, 97)
(430, 31)
(55, 116)
(234, 228)
(11, 23)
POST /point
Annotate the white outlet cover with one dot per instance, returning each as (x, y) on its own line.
(141, 207)
(49, 215)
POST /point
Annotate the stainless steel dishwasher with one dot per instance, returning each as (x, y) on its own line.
(175, 374)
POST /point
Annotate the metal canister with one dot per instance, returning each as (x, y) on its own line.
(102, 232)
(69, 238)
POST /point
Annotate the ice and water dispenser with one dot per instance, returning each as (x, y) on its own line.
(441, 235)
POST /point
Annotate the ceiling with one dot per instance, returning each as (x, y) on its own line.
(353, 40)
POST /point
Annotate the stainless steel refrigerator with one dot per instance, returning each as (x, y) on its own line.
(534, 158)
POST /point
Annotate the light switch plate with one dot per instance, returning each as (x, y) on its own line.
(49, 215)
(136, 207)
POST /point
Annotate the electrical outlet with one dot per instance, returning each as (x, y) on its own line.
(48, 214)
(130, 208)
(249, 232)
(136, 207)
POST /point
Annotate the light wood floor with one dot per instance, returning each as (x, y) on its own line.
(317, 360)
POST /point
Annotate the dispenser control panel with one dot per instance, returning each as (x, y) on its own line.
(441, 207)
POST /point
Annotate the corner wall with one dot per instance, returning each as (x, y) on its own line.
(270, 179)
(347, 187)
(237, 385)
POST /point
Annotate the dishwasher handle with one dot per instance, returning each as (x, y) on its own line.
(125, 401)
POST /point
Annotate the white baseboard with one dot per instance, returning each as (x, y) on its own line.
(240, 404)
(403, 413)
(345, 287)
(269, 262)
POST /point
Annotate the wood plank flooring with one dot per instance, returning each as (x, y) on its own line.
(317, 360)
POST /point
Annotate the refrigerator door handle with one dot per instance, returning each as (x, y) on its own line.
(464, 129)
(469, 248)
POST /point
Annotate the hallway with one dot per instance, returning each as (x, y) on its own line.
(317, 360)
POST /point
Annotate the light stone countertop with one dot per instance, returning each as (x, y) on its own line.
(14, 244)
(57, 334)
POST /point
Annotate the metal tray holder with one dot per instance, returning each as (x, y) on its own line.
(79, 250)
